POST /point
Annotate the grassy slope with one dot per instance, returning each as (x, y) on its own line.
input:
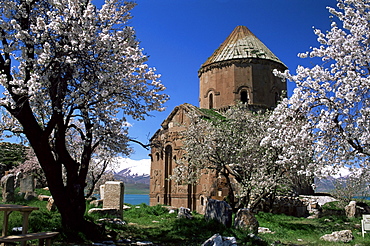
(302, 231)
(155, 224)
(148, 223)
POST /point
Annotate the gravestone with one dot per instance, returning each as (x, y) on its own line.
(219, 211)
(350, 209)
(101, 189)
(244, 219)
(7, 182)
(113, 195)
(18, 177)
(27, 187)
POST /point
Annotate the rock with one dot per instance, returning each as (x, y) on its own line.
(43, 197)
(144, 243)
(245, 219)
(219, 211)
(350, 209)
(51, 205)
(113, 196)
(263, 230)
(115, 221)
(7, 183)
(106, 211)
(125, 241)
(218, 240)
(105, 243)
(344, 236)
(184, 213)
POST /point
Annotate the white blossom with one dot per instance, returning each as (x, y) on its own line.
(67, 61)
(334, 96)
(237, 144)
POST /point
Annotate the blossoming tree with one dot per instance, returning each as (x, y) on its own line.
(334, 96)
(235, 145)
(63, 62)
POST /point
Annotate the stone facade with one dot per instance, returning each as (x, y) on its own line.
(239, 70)
(166, 149)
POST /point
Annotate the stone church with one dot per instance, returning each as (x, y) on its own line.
(239, 70)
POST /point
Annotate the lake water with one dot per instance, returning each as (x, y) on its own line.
(135, 199)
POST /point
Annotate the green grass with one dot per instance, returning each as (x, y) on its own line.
(303, 231)
(157, 225)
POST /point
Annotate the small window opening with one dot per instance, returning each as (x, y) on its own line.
(210, 101)
(244, 97)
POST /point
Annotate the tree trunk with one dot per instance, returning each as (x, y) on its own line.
(230, 195)
(70, 201)
(72, 209)
(69, 198)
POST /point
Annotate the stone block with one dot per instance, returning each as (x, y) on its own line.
(51, 205)
(105, 211)
(43, 197)
(184, 213)
(27, 184)
(101, 191)
(113, 195)
(344, 236)
(7, 183)
(350, 209)
(219, 240)
(219, 211)
(245, 219)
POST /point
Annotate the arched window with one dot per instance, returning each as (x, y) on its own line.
(167, 175)
(210, 101)
(244, 97)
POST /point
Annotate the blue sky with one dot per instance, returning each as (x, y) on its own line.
(179, 35)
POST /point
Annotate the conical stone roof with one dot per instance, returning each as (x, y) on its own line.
(241, 44)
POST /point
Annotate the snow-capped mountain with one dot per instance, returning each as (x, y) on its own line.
(133, 171)
(136, 167)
